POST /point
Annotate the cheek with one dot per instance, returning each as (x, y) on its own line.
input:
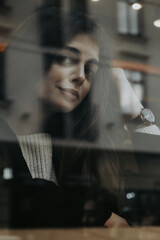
(86, 89)
(54, 75)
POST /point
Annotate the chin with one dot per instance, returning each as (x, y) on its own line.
(63, 108)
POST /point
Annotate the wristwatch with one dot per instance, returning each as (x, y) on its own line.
(146, 117)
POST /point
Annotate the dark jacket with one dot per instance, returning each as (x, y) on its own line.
(37, 202)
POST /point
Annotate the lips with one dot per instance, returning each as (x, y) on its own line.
(70, 90)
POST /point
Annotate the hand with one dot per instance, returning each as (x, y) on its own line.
(129, 102)
(116, 221)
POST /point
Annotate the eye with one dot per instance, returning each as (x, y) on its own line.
(90, 70)
(65, 60)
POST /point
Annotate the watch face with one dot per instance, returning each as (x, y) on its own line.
(147, 116)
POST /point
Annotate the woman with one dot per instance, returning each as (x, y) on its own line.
(61, 62)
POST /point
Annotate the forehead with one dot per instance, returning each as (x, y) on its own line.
(85, 45)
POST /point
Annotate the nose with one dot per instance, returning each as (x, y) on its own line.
(79, 74)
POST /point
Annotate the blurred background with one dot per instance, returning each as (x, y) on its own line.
(133, 30)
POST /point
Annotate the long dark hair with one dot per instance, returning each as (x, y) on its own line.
(86, 124)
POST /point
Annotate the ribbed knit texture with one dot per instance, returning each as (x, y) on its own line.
(153, 129)
(37, 152)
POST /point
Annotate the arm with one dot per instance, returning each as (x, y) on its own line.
(130, 104)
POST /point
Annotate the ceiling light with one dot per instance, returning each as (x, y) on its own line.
(157, 23)
(137, 6)
(95, 0)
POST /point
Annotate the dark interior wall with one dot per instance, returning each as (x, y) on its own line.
(51, 3)
(79, 5)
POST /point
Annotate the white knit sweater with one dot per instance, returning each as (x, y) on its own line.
(153, 129)
(37, 152)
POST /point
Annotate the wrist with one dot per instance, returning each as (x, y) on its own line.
(143, 119)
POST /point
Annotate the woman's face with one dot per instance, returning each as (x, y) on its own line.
(70, 76)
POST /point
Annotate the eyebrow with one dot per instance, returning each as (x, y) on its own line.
(72, 49)
(77, 52)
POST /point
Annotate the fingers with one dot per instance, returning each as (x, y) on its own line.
(116, 221)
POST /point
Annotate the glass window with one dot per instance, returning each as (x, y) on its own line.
(79, 118)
